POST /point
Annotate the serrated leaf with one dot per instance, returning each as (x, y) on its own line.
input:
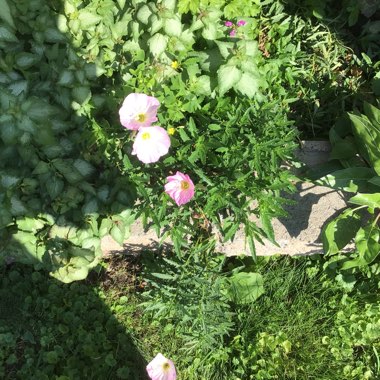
(143, 14)
(118, 233)
(225, 48)
(202, 85)
(66, 78)
(105, 227)
(5, 13)
(173, 27)
(54, 187)
(81, 94)
(228, 76)
(248, 84)
(17, 207)
(84, 167)
(156, 23)
(26, 60)
(18, 87)
(6, 34)
(88, 19)
(157, 44)
(210, 32)
(41, 168)
(90, 207)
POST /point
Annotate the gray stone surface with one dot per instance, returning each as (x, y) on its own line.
(297, 234)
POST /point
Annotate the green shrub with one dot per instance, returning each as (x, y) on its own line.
(72, 180)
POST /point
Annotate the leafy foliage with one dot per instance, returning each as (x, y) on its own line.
(72, 179)
(355, 140)
(53, 330)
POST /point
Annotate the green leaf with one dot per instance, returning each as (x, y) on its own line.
(202, 85)
(343, 150)
(340, 231)
(105, 227)
(375, 180)
(225, 48)
(267, 225)
(157, 44)
(118, 233)
(143, 14)
(370, 200)
(372, 113)
(367, 242)
(350, 179)
(88, 19)
(368, 137)
(210, 32)
(173, 27)
(81, 94)
(6, 34)
(54, 187)
(66, 78)
(228, 76)
(5, 13)
(248, 84)
(26, 60)
(164, 276)
(245, 287)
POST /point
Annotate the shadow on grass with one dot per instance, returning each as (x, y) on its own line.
(50, 330)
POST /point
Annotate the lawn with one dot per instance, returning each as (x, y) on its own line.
(182, 114)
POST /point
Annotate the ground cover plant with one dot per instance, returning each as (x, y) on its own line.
(305, 325)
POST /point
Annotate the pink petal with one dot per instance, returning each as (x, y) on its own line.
(161, 368)
(150, 150)
(174, 189)
(136, 104)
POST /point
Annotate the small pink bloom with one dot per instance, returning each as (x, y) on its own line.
(180, 188)
(233, 33)
(161, 368)
(138, 110)
(228, 24)
(241, 23)
(151, 143)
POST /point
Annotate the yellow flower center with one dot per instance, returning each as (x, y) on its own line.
(171, 131)
(166, 367)
(145, 136)
(141, 117)
(184, 185)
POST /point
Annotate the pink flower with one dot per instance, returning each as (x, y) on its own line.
(151, 143)
(138, 110)
(233, 33)
(228, 24)
(161, 368)
(180, 188)
(241, 23)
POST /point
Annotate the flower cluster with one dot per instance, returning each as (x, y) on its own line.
(137, 113)
(233, 27)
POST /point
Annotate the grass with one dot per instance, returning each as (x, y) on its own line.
(305, 326)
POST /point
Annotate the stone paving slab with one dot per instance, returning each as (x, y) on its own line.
(296, 234)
